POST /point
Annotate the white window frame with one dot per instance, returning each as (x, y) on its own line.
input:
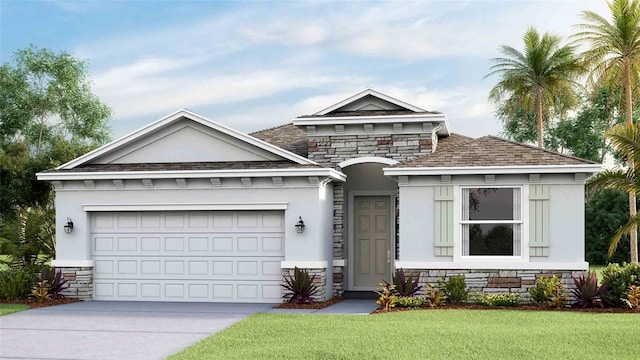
(458, 223)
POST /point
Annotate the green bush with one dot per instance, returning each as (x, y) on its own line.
(619, 279)
(409, 301)
(549, 291)
(503, 299)
(455, 290)
(16, 283)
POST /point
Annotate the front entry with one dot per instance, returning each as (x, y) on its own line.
(372, 251)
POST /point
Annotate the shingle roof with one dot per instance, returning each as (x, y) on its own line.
(369, 113)
(186, 166)
(287, 136)
(460, 151)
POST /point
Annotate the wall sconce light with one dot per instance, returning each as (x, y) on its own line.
(300, 225)
(68, 227)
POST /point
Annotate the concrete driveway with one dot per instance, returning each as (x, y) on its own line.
(115, 330)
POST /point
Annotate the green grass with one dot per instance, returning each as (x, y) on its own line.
(430, 334)
(11, 308)
(597, 269)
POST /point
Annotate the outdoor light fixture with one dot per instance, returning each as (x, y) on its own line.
(300, 225)
(68, 227)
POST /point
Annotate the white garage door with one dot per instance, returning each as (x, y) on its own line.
(209, 256)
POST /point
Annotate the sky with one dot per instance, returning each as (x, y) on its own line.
(252, 65)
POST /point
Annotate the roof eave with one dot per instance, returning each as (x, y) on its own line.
(481, 170)
(190, 174)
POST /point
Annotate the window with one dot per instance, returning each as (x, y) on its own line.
(491, 222)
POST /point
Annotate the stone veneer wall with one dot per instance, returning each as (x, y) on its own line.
(496, 281)
(332, 150)
(320, 281)
(80, 282)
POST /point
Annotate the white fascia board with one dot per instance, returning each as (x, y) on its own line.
(492, 265)
(71, 263)
(372, 93)
(304, 264)
(190, 174)
(380, 119)
(187, 207)
(474, 170)
(191, 116)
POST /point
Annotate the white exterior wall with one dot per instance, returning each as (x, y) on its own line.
(301, 199)
(417, 225)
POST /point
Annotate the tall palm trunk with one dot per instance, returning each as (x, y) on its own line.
(539, 118)
(633, 236)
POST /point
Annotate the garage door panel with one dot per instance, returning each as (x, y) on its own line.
(192, 290)
(188, 256)
(137, 268)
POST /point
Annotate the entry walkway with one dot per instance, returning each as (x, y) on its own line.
(344, 307)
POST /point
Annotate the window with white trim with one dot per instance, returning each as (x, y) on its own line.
(491, 221)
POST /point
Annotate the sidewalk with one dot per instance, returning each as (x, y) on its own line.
(344, 307)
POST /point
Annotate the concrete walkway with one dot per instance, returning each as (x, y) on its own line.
(130, 330)
(345, 307)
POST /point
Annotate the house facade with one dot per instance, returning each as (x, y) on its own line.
(186, 209)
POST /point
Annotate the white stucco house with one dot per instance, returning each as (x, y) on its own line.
(187, 209)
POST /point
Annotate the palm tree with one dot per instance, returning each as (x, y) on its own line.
(614, 56)
(625, 139)
(542, 80)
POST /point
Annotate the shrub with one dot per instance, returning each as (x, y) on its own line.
(409, 301)
(40, 292)
(16, 283)
(405, 286)
(503, 299)
(549, 291)
(387, 298)
(300, 287)
(435, 296)
(633, 297)
(588, 293)
(55, 281)
(619, 278)
(455, 290)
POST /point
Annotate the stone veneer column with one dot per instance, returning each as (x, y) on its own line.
(80, 282)
(320, 281)
(338, 238)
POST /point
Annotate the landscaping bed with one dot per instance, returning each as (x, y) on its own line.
(34, 304)
(314, 305)
(533, 307)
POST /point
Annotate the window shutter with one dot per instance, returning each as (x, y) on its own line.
(443, 221)
(539, 220)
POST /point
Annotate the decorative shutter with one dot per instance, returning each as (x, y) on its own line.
(443, 221)
(539, 220)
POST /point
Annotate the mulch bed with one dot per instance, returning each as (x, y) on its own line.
(32, 304)
(519, 307)
(315, 305)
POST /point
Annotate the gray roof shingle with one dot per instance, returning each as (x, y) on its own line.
(461, 151)
(287, 136)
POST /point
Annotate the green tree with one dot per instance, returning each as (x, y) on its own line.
(47, 95)
(540, 81)
(625, 139)
(606, 210)
(48, 116)
(614, 57)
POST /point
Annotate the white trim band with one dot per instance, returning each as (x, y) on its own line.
(491, 265)
(187, 207)
(473, 170)
(303, 264)
(72, 263)
(367, 159)
(190, 174)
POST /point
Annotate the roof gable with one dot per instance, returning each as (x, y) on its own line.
(369, 100)
(185, 136)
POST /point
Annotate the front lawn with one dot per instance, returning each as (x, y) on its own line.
(430, 334)
(11, 308)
